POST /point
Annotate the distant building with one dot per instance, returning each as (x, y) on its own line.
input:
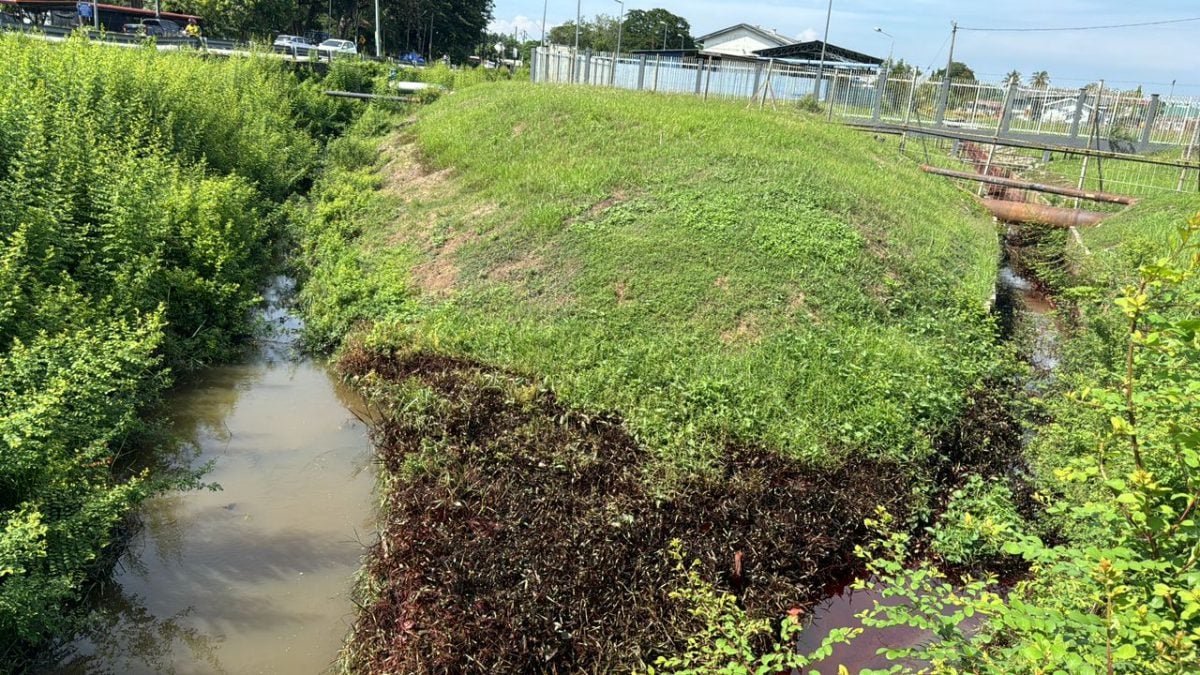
(1063, 110)
(741, 41)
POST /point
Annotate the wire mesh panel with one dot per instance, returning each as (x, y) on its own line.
(1124, 121)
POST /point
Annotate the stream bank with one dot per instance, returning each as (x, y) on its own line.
(1025, 315)
(255, 576)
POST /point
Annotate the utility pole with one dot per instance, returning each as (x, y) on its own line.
(95, 15)
(824, 43)
(545, 5)
(944, 98)
(378, 33)
(663, 46)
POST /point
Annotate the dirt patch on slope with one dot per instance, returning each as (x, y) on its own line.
(407, 177)
(521, 537)
(438, 275)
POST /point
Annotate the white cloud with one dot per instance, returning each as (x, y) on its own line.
(532, 28)
(809, 35)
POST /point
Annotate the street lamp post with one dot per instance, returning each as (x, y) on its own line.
(620, 26)
(824, 43)
(578, 16)
(545, 6)
(612, 77)
(378, 33)
(663, 45)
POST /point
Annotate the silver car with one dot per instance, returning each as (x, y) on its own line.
(332, 47)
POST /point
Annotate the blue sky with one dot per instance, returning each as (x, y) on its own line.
(1152, 55)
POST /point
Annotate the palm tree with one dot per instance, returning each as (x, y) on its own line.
(1041, 79)
(1013, 78)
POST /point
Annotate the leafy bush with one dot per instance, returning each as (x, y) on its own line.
(1119, 594)
(977, 523)
(138, 214)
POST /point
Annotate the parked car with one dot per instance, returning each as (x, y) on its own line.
(293, 42)
(154, 27)
(412, 58)
(331, 47)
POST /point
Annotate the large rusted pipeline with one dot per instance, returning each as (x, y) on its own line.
(1036, 187)
(1056, 216)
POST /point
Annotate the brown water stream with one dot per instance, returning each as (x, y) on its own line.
(255, 577)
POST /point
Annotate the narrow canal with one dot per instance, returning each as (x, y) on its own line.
(1024, 314)
(254, 577)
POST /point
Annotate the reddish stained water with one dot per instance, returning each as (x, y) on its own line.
(841, 611)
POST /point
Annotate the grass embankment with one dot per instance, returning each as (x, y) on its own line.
(141, 203)
(596, 320)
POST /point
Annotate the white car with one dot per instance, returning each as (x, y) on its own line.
(291, 42)
(332, 47)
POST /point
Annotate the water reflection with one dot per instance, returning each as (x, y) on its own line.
(254, 577)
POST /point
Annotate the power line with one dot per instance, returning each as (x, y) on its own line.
(1116, 25)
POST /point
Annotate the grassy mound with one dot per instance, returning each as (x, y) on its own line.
(717, 276)
(599, 321)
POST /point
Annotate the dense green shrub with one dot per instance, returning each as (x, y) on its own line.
(138, 208)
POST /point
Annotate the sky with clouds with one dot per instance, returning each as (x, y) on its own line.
(1152, 56)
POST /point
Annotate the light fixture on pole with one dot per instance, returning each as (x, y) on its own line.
(663, 46)
(890, 46)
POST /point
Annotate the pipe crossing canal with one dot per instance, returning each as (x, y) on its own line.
(255, 577)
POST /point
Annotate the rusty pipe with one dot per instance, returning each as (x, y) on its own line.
(1056, 216)
(1036, 187)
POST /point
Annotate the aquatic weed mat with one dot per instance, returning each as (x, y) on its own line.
(522, 536)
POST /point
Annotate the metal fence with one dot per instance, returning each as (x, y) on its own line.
(1113, 120)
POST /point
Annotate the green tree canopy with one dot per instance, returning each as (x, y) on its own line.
(958, 71)
(643, 29)
(432, 28)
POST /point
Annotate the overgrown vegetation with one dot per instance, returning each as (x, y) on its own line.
(141, 200)
(1114, 590)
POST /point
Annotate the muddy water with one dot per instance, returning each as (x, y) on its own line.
(255, 577)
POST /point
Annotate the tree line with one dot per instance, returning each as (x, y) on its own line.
(641, 29)
(430, 27)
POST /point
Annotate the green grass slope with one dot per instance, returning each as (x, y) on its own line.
(718, 276)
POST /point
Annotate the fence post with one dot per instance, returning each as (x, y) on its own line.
(699, 73)
(908, 107)
(939, 112)
(880, 90)
(533, 66)
(757, 79)
(642, 72)
(587, 67)
(1077, 119)
(1151, 114)
(1006, 111)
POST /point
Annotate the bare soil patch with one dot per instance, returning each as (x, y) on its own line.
(406, 177)
(438, 275)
